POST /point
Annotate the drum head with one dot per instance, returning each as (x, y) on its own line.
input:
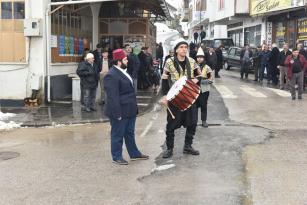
(175, 89)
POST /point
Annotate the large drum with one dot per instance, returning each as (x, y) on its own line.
(183, 93)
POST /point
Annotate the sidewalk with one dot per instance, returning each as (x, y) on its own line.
(69, 112)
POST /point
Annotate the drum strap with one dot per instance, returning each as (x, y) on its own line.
(187, 67)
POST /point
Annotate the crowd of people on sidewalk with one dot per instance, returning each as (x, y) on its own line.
(285, 68)
(143, 68)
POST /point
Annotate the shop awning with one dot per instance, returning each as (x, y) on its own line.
(157, 7)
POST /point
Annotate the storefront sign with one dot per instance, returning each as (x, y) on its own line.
(269, 30)
(263, 6)
(302, 29)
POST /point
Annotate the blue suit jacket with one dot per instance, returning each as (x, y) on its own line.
(121, 97)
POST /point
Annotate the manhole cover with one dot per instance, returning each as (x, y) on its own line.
(8, 155)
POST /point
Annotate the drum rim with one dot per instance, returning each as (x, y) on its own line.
(167, 97)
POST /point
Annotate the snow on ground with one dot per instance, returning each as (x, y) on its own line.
(7, 125)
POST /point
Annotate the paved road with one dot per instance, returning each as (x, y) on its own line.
(254, 152)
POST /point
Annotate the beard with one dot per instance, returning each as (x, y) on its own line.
(122, 66)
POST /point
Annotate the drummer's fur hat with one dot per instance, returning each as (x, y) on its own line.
(200, 53)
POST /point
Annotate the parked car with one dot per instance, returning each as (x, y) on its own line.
(232, 58)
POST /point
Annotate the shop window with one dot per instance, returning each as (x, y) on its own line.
(19, 10)
(6, 10)
(12, 40)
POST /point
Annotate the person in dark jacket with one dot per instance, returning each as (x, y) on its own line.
(297, 66)
(211, 58)
(219, 62)
(106, 64)
(98, 54)
(121, 108)
(264, 62)
(273, 62)
(133, 65)
(88, 71)
(282, 67)
(302, 51)
(160, 54)
(257, 63)
(145, 66)
(245, 57)
(195, 35)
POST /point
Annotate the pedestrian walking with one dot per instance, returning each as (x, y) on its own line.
(273, 62)
(176, 67)
(88, 71)
(143, 78)
(121, 109)
(85, 52)
(264, 61)
(211, 58)
(245, 57)
(106, 64)
(257, 63)
(160, 54)
(283, 78)
(297, 65)
(133, 65)
(170, 54)
(195, 35)
(219, 61)
(205, 84)
(98, 54)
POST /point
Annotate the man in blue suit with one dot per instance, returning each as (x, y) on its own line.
(121, 108)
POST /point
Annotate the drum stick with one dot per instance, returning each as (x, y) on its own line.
(173, 116)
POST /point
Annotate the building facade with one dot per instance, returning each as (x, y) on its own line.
(42, 42)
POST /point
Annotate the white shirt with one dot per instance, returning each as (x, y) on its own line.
(125, 73)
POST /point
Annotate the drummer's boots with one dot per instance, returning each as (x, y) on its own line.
(167, 153)
(188, 149)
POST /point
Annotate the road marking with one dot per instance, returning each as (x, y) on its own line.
(143, 104)
(281, 93)
(225, 92)
(252, 91)
(144, 133)
(144, 97)
(163, 167)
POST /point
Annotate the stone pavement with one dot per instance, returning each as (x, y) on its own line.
(69, 112)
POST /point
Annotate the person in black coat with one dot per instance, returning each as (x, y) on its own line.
(273, 62)
(302, 51)
(245, 57)
(219, 62)
(145, 65)
(88, 71)
(133, 65)
(211, 58)
(98, 54)
(121, 108)
(160, 54)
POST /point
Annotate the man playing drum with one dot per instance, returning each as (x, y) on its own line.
(176, 67)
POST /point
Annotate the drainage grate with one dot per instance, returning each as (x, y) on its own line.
(8, 155)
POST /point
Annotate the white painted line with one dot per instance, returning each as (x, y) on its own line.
(145, 97)
(281, 93)
(252, 91)
(144, 133)
(143, 104)
(164, 167)
(225, 92)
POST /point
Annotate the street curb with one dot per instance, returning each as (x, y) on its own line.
(48, 124)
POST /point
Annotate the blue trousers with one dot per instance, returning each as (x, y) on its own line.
(120, 130)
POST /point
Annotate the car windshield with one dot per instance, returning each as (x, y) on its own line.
(226, 42)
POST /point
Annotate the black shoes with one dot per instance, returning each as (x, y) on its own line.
(93, 109)
(204, 124)
(167, 153)
(188, 149)
(120, 162)
(141, 157)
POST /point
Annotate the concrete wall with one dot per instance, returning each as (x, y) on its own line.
(15, 84)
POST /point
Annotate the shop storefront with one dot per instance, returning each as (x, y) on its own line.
(252, 36)
(302, 31)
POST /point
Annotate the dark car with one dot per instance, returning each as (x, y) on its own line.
(232, 58)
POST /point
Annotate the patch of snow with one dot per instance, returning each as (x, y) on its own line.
(163, 167)
(7, 125)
